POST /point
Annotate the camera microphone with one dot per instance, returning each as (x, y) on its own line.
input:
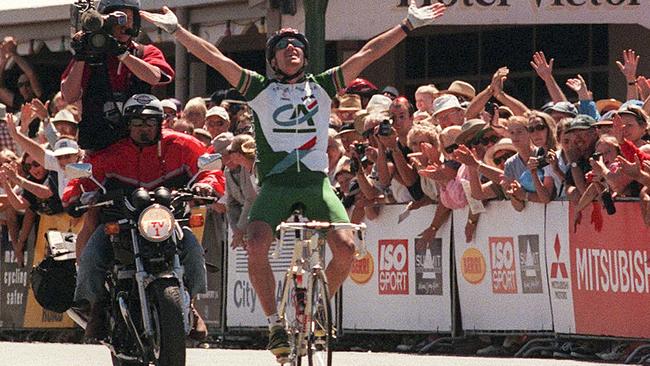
(92, 21)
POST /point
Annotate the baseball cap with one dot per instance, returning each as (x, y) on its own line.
(391, 90)
(564, 107)
(65, 147)
(581, 122)
(168, 103)
(202, 132)
(445, 102)
(64, 115)
(219, 112)
(221, 142)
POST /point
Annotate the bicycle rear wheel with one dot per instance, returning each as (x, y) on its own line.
(293, 324)
(319, 328)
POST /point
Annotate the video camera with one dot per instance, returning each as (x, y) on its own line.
(96, 29)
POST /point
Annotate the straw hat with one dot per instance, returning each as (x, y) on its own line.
(469, 129)
(503, 144)
(349, 102)
(606, 105)
(461, 88)
(377, 104)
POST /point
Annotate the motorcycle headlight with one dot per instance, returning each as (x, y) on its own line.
(156, 223)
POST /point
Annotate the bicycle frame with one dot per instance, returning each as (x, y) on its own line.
(306, 271)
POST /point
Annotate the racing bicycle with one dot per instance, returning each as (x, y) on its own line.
(305, 303)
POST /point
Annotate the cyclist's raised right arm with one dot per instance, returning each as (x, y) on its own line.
(197, 46)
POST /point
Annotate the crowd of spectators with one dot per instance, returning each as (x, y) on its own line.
(453, 147)
(460, 147)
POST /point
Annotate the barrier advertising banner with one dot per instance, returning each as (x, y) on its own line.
(14, 285)
(610, 272)
(212, 237)
(403, 283)
(505, 267)
(35, 315)
(559, 266)
(242, 306)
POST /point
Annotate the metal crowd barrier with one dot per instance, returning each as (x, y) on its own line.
(538, 272)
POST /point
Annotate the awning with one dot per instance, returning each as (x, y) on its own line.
(39, 23)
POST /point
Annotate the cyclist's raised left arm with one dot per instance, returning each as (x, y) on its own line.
(380, 45)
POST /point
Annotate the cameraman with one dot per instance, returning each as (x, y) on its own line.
(113, 73)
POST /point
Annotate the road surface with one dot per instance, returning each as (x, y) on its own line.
(56, 354)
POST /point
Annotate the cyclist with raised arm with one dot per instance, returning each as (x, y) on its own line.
(291, 131)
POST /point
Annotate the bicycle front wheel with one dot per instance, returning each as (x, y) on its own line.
(319, 337)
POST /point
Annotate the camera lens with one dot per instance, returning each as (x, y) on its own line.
(98, 41)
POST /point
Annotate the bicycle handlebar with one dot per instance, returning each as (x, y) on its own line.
(360, 249)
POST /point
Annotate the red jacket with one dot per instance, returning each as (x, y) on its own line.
(629, 150)
(125, 165)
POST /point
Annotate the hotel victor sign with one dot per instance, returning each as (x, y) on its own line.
(350, 19)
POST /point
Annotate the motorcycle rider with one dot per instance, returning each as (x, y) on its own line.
(149, 157)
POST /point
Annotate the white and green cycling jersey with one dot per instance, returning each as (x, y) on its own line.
(291, 120)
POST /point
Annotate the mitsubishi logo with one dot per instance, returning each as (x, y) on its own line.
(558, 266)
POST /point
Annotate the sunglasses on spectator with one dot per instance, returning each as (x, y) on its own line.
(22, 83)
(540, 127)
(215, 123)
(170, 115)
(451, 148)
(32, 164)
(285, 42)
(139, 122)
(485, 141)
(503, 158)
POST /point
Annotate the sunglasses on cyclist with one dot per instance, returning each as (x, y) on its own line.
(502, 158)
(22, 83)
(139, 122)
(451, 148)
(285, 42)
(485, 141)
(539, 127)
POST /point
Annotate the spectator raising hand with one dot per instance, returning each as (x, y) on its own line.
(544, 70)
(628, 69)
(579, 86)
(27, 86)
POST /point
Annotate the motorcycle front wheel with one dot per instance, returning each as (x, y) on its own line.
(168, 343)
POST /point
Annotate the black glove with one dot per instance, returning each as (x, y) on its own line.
(74, 210)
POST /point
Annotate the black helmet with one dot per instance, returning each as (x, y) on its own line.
(285, 33)
(109, 6)
(144, 106)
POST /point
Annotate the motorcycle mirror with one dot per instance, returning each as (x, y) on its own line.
(79, 170)
(209, 162)
(206, 162)
(82, 170)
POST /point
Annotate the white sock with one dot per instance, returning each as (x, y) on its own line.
(274, 320)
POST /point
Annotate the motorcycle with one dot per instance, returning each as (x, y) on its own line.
(149, 312)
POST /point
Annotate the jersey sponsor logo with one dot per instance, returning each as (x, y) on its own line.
(502, 263)
(289, 117)
(393, 267)
(472, 266)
